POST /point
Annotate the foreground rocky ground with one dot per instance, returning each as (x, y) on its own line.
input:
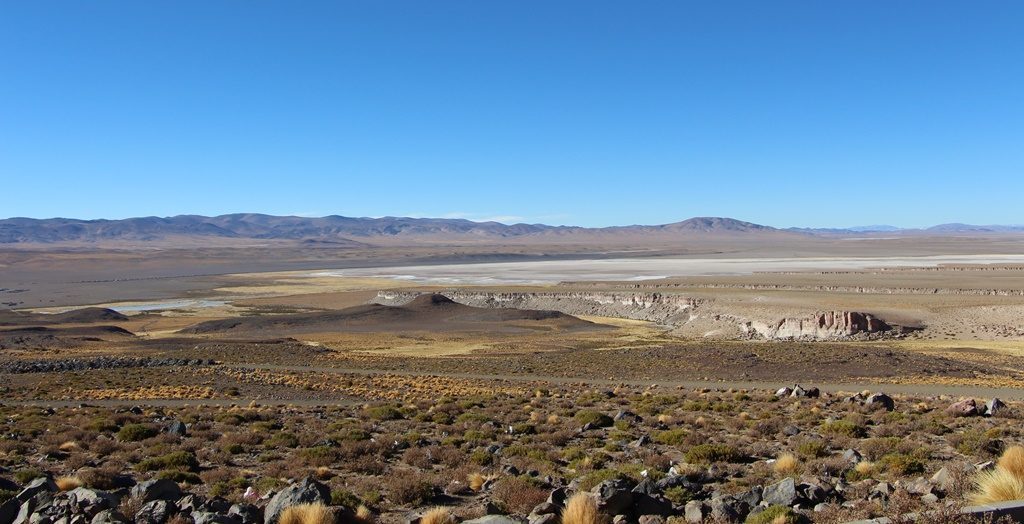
(647, 456)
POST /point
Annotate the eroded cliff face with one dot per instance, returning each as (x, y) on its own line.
(825, 325)
(686, 316)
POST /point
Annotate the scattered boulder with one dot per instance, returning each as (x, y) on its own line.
(494, 519)
(964, 408)
(176, 427)
(308, 491)
(613, 496)
(880, 401)
(695, 511)
(155, 512)
(782, 493)
(156, 489)
(996, 407)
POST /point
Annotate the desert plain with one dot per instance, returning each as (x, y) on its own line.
(724, 376)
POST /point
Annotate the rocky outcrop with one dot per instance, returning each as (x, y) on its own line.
(652, 307)
(686, 315)
(825, 325)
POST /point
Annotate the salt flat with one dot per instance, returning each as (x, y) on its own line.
(619, 269)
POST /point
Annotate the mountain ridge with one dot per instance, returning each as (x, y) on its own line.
(342, 231)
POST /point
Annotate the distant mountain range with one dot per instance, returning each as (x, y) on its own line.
(340, 231)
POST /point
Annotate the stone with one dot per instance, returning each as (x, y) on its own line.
(811, 493)
(558, 497)
(156, 489)
(494, 519)
(918, 486)
(9, 510)
(880, 400)
(546, 508)
(176, 427)
(548, 518)
(246, 513)
(798, 391)
(881, 491)
(644, 504)
(695, 511)
(207, 517)
(155, 512)
(613, 496)
(930, 498)
(813, 393)
(790, 431)
(751, 497)
(783, 392)
(109, 516)
(941, 479)
(723, 509)
(852, 456)
(651, 519)
(782, 493)
(308, 491)
(37, 486)
(996, 407)
(964, 408)
(646, 487)
(626, 415)
(641, 442)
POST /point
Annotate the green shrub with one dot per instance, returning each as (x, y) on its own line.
(678, 495)
(24, 476)
(594, 418)
(178, 460)
(524, 429)
(181, 477)
(342, 497)
(812, 448)
(710, 453)
(283, 439)
(136, 432)
(671, 437)
(384, 413)
(902, 464)
(844, 428)
(482, 457)
(776, 515)
(102, 425)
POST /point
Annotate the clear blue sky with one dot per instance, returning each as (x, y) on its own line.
(813, 113)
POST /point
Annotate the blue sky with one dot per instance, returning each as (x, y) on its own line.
(591, 113)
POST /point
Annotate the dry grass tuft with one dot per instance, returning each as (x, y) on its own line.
(582, 509)
(552, 419)
(997, 485)
(364, 515)
(1013, 461)
(666, 419)
(786, 464)
(69, 446)
(476, 481)
(68, 483)
(865, 468)
(306, 514)
(438, 516)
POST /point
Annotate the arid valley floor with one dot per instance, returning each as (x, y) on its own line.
(496, 380)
